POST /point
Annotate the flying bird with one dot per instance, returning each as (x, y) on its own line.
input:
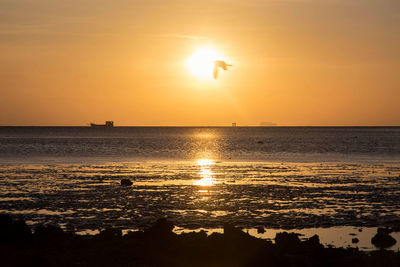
(220, 64)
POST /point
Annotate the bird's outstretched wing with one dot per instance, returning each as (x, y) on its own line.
(215, 72)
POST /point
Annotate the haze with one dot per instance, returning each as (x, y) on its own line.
(295, 62)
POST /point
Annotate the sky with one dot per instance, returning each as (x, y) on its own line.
(295, 62)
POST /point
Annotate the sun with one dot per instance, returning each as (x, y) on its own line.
(201, 62)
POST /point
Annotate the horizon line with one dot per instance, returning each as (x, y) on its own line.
(205, 126)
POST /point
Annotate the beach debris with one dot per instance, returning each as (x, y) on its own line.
(383, 239)
(126, 182)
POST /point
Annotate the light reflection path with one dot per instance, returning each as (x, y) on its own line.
(206, 173)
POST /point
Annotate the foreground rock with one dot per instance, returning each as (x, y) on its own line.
(160, 246)
(383, 239)
(126, 182)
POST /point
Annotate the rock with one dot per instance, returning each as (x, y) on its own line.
(200, 236)
(382, 239)
(126, 182)
(235, 234)
(355, 240)
(48, 231)
(110, 233)
(5, 220)
(313, 241)
(162, 227)
(231, 231)
(260, 230)
(22, 230)
(289, 241)
(12, 230)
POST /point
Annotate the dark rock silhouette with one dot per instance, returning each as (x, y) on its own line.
(13, 229)
(49, 233)
(160, 246)
(5, 220)
(232, 232)
(260, 230)
(126, 182)
(355, 240)
(110, 234)
(313, 243)
(287, 241)
(383, 239)
(161, 227)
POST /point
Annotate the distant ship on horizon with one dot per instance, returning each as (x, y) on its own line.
(108, 124)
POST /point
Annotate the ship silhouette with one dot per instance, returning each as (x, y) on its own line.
(108, 124)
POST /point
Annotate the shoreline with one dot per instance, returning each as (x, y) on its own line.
(336, 236)
(158, 245)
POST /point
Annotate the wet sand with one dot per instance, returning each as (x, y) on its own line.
(302, 197)
(273, 195)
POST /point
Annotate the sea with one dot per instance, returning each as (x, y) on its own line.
(324, 180)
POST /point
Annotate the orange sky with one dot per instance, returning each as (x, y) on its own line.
(296, 62)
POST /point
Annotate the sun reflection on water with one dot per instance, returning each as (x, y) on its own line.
(206, 174)
(205, 162)
(205, 135)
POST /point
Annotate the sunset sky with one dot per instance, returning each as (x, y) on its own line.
(295, 62)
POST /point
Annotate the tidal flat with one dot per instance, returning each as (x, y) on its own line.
(206, 194)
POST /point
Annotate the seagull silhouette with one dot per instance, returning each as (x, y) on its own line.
(220, 64)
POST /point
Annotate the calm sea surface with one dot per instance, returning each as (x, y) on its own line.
(276, 177)
(287, 144)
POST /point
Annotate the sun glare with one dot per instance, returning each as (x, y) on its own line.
(201, 62)
(207, 178)
(206, 174)
(205, 162)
